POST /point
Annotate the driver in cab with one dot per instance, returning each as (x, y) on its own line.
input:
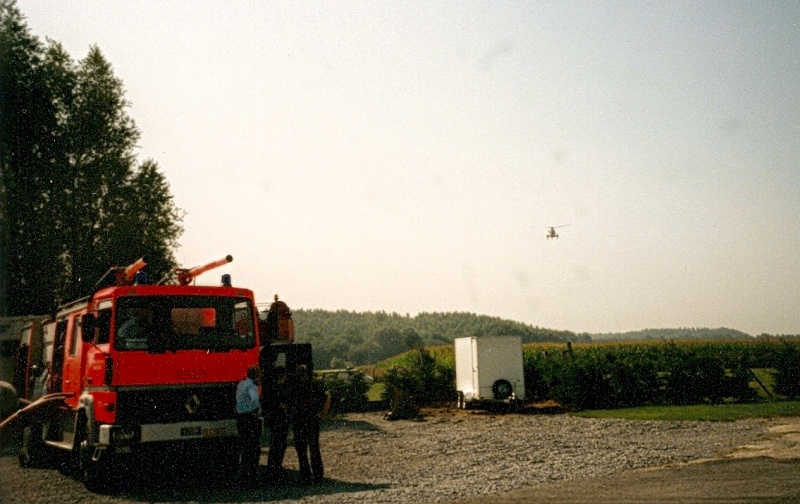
(132, 334)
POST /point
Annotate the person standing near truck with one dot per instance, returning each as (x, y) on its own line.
(276, 414)
(248, 422)
(310, 402)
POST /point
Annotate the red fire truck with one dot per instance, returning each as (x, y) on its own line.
(139, 369)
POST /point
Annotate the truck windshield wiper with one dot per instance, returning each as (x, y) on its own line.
(218, 348)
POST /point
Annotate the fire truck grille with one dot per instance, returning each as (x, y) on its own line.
(176, 405)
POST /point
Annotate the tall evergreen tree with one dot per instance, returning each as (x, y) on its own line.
(73, 201)
(146, 221)
(102, 138)
(30, 125)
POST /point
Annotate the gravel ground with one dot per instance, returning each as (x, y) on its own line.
(444, 457)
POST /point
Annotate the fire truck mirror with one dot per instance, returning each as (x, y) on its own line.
(88, 324)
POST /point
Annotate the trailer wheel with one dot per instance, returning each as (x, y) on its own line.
(502, 390)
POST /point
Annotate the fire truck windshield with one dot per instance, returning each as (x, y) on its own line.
(173, 323)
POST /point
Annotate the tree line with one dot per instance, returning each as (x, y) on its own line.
(683, 333)
(344, 338)
(74, 200)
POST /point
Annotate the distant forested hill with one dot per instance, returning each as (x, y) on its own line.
(343, 338)
(676, 334)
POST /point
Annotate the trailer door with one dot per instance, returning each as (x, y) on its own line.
(476, 378)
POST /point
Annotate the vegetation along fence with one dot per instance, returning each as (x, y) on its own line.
(617, 375)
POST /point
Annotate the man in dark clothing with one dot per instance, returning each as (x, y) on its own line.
(248, 423)
(276, 406)
(309, 402)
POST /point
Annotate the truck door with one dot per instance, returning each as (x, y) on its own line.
(72, 372)
(57, 365)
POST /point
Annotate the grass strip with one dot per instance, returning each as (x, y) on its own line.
(702, 412)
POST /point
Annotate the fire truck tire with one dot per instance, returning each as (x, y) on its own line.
(230, 459)
(90, 472)
(502, 390)
(223, 456)
(33, 452)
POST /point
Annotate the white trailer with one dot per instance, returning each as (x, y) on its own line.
(489, 370)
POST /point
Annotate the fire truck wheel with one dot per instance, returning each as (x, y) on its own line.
(89, 472)
(502, 390)
(33, 452)
(229, 460)
(223, 457)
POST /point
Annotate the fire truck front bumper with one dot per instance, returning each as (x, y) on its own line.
(120, 436)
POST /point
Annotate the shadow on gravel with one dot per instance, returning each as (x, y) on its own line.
(156, 487)
(543, 408)
(492, 409)
(339, 423)
(12, 445)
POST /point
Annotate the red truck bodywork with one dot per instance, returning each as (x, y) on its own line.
(172, 382)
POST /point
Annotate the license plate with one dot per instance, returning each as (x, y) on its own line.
(191, 431)
(214, 432)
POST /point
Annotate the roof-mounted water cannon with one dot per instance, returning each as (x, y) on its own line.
(128, 274)
(185, 276)
(123, 275)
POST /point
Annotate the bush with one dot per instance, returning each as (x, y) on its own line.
(582, 384)
(632, 382)
(738, 385)
(424, 379)
(628, 375)
(787, 372)
(536, 386)
(348, 393)
(602, 376)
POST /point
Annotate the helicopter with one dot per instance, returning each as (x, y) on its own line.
(552, 232)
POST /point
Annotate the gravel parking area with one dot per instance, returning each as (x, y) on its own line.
(446, 456)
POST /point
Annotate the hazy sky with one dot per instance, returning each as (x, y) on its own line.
(408, 156)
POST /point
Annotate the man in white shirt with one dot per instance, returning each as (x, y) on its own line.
(248, 422)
